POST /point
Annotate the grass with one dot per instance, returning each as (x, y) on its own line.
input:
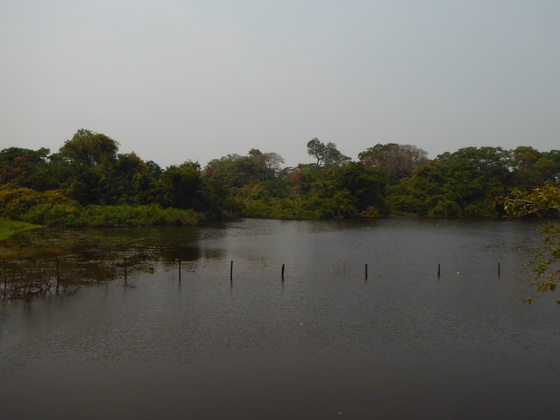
(11, 227)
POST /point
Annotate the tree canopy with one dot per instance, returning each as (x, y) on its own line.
(89, 170)
(395, 161)
(326, 154)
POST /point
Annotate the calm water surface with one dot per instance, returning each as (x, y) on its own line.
(323, 343)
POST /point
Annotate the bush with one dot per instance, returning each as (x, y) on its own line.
(136, 216)
(55, 208)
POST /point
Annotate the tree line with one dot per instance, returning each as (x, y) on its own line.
(87, 182)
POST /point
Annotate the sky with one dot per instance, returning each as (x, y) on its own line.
(195, 80)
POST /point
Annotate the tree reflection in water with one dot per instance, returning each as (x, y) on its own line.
(53, 261)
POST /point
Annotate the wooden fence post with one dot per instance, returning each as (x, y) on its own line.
(5, 280)
(57, 275)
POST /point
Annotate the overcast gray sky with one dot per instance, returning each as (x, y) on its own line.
(176, 80)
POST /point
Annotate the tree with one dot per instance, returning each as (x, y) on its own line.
(544, 271)
(541, 201)
(181, 186)
(326, 154)
(134, 181)
(488, 162)
(362, 183)
(532, 168)
(475, 177)
(395, 161)
(90, 149)
(85, 167)
(424, 193)
(460, 184)
(237, 171)
(266, 164)
(554, 156)
(19, 165)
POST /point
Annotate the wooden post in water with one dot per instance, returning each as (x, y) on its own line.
(125, 272)
(499, 269)
(179, 271)
(5, 280)
(438, 270)
(366, 272)
(231, 271)
(57, 275)
(283, 271)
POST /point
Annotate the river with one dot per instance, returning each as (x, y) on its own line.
(220, 341)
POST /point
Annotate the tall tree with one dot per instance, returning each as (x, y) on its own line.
(363, 184)
(393, 160)
(19, 165)
(90, 149)
(533, 168)
(134, 181)
(236, 171)
(85, 166)
(181, 186)
(463, 183)
(326, 154)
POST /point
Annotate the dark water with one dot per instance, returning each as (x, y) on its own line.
(324, 343)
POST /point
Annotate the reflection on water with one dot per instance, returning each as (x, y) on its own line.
(403, 343)
(53, 261)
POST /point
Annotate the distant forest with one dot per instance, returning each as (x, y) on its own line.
(89, 183)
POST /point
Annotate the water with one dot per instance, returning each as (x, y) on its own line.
(324, 343)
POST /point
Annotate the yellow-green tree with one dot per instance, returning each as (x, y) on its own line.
(544, 268)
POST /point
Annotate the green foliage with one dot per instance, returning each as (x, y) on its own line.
(544, 268)
(54, 208)
(15, 200)
(44, 208)
(89, 149)
(237, 171)
(181, 186)
(326, 154)
(460, 184)
(394, 161)
(134, 181)
(84, 167)
(55, 214)
(363, 183)
(89, 182)
(11, 227)
(136, 216)
(20, 166)
(312, 192)
(541, 201)
(90, 169)
(228, 179)
(440, 206)
(533, 168)
(418, 193)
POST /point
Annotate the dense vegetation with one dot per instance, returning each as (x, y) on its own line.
(11, 227)
(89, 183)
